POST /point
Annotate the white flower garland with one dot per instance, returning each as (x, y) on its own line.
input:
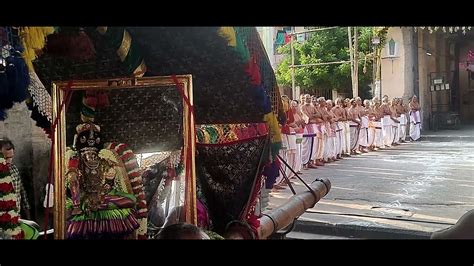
(143, 227)
(12, 213)
(69, 154)
(7, 179)
(108, 155)
(8, 197)
(13, 232)
(463, 29)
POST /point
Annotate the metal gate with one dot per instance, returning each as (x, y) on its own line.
(443, 114)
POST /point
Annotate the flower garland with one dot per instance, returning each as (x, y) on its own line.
(134, 174)
(455, 29)
(9, 217)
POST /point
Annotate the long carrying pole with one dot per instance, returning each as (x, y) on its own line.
(297, 205)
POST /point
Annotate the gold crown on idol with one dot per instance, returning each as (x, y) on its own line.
(87, 127)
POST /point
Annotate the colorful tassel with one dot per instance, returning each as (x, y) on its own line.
(3, 114)
(273, 126)
(121, 40)
(33, 40)
(19, 89)
(276, 147)
(261, 97)
(134, 59)
(253, 71)
(78, 47)
(271, 171)
(4, 91)
(83, 47)
(241, 49)
(229, 34)
(11, 73)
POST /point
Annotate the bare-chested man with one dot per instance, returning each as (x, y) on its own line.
(323, 128)
(299, 130)
(371, 128)
(331, 141)
(386, 122)
(378, 115)
(311, 116)
(364, 126)
(415, 119)
(302, 100)
(402, 111)
(340, 115)
(396, 122)
(354, 124)
(346, 104)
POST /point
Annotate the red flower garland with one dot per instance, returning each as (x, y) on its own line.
(6, 188)
(7, 205)
(6, 218)
(19, 236)
(4, 167)
(73, 163)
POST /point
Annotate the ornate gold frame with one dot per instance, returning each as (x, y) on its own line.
(58, 93)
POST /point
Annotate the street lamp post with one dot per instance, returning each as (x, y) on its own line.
(376, 82)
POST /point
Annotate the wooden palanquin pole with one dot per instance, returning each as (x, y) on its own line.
(284, 215)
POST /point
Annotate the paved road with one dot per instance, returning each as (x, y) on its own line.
(422, 186)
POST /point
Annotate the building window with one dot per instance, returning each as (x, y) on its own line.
(392, 48)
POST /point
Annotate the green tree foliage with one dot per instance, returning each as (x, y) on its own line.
(328, 46)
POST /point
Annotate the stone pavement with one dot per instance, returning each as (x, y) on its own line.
(407, 191)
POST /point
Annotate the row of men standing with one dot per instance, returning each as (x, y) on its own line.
(319, 131)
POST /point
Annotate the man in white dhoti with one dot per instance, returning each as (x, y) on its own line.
(331, 128)
(415, 119)
(322, 128)
(346, 104)
(378, 113)
(364, 126)
(339, 114)
(386, 123)
(309, 133)
(369, 110)
(402, 110)
(396, 122)
(299, 130)
(354, 124)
